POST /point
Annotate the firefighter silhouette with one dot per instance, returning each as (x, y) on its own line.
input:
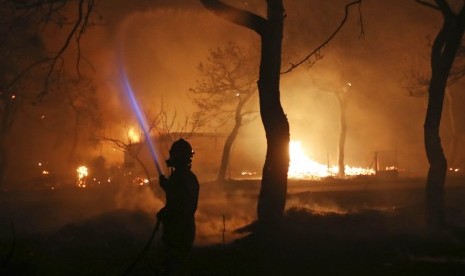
(178, 215)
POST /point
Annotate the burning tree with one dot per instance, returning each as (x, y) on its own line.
(226, 86)
(443, 53)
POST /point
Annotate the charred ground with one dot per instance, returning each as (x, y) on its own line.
(356, 227)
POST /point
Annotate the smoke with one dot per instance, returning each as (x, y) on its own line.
(315, 207)
(222, 211)
(162, 43)
(141, 199)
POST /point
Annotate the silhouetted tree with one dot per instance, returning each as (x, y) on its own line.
(27, 66)
(131, 148)
(227, 83)
(419, 88)
(273, 190)
(453, 128)
(169, 126)
(72, 109)
(72, 17)
(443, 53)
(341, 97)
(17, 52)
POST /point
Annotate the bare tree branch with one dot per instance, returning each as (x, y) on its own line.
(316, 52)
(76, 31)
(42, 13)
(236, 16)
(427, 4)
(445, 8)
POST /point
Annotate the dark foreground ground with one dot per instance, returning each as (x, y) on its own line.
(330, 228)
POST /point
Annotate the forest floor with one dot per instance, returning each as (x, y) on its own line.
(352, 227)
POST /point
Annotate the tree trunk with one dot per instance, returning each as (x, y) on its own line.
(342, 136)
(231, 138)
(273, 191)
(434, 152)
(443, 53)
(454, 134)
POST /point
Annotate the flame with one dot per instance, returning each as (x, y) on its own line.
(302, 167)
(133, 136)
(141, 181)
(248, 173)
(82, 173)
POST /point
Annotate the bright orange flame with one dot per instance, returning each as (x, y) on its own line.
(82, 174)
(302, 167)
(133, 136)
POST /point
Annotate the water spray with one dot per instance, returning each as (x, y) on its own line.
(140, 118)
(144, 126)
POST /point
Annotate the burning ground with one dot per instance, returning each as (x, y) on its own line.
(362, 226)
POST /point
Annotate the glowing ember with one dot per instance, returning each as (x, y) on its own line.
(302, 167)
(141, 181)
(247, 173)
(82, 174)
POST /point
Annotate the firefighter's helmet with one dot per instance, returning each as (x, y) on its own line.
(181, 153)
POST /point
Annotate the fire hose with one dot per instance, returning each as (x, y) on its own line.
(147, 244)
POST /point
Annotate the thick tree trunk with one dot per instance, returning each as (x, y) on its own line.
(436, 158)
(454, 134)
(443, 53)
(273, 191)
